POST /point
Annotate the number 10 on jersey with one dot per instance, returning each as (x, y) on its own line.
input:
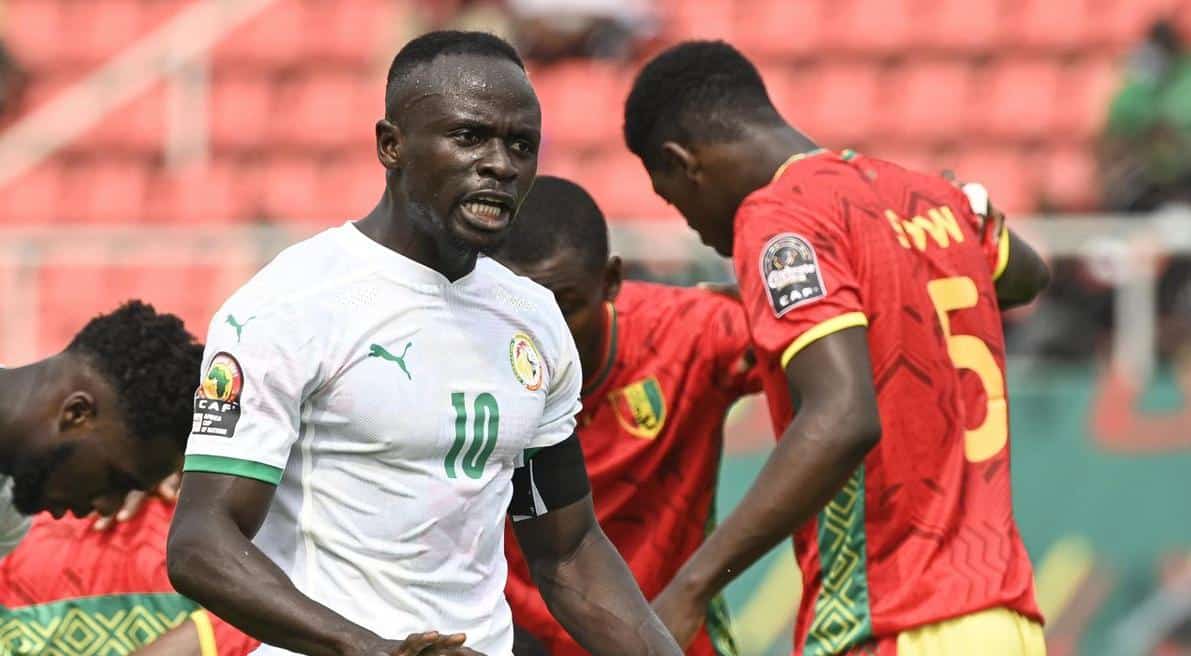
(483, 437)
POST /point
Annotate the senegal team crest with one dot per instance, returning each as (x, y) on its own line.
(640, 408)
(217, 400)
(526, 362)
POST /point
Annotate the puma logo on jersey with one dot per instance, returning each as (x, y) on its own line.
(231, 321)
(381, 352)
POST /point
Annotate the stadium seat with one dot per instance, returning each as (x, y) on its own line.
(104, 190)
(683, 19)
(325, 111)
(32, 198)
(349, 187)
(781, 28)
(961, 27)
(1023, 99)
(1053, 25)
(1006, 172)
(1070, 179)
(26, 26)
(590, 118)
(1087, 89)
(99, 29)
(619, 183)
(241, 111)
(350, 34)
(791, 88)
(221, 193)
(913, 157)
(875, 27)
(137, 127)
(927, 101)
(289, 189)
(271, 40)
(845, 107)
(1123, 23)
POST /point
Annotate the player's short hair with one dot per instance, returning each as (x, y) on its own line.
(432, 45)
(556, 215)
(696, 90)
(152, 362)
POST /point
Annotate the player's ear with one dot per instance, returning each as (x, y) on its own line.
(613, 276)
(388, 144)
(678, 156)
(77, 409)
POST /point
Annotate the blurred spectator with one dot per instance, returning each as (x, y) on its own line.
(551, 30)
(1146, 152)
(12, 82)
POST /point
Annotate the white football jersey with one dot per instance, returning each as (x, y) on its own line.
(390, 407)
(13, 525)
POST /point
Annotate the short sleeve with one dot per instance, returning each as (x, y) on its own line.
(257, 373)
(562, 396)
(13, 525)
(725, 337)
(797, 281)
(994, 240)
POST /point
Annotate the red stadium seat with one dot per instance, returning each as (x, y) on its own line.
(1087, 90)
(1006, 172)
(272, 39)
(98, 29)
(1053, 25)
(582, 103)
(241, 112)
(1124, 23)
(352, 34)
(968, 27)
(105, 192)
(1069, 182)
(928, 101)
(792, 89)
(781, 28)
(32, 198)
(290, 189)
(28, 24)
(215, 194)
(878, 27)
(620, 185)
(138, 126)
(698, 20)
(1023, 99)
(846, 106)
(913, 157)
(326, 111)
(349, 187)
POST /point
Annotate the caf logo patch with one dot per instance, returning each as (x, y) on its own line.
(217, 400)
(640, 408)
(791, 273)
(526, 362)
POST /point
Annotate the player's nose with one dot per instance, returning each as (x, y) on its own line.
(496, 162)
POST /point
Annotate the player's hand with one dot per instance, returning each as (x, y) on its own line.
(681, 613)
(429, 643)
(167, 490)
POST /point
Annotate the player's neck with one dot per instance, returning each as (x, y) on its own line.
(770, 147)
(18, 397)
(387, 226)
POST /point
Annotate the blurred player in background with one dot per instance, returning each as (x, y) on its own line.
(384, 396)
(662, 366)
(65, 575)
(108, 415)
(872, 295)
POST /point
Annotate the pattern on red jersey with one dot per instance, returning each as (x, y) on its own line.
(923, 531)
(651, 430)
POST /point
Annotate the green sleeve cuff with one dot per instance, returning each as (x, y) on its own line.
(233, 467)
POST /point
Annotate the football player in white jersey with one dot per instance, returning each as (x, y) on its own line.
(379, 397)
(108, 415)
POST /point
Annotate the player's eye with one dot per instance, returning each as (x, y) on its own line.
(523, 147)
(466, 137)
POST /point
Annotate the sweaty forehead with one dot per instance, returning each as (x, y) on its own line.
(468, 84)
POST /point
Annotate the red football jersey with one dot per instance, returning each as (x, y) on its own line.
(113, 584)
(924, 529)
(652, 434)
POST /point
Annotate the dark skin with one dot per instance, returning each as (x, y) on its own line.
(65, 442)
(830, 381)
(468, 129)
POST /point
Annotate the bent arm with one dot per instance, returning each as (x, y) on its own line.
(582, 578)
(1024, 274)
(212, 560)
(835, 427)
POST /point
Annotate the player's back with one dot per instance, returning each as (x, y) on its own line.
(933, 535)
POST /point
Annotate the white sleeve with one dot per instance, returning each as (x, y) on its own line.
(256, 376)
(562, 397)
(13, 525)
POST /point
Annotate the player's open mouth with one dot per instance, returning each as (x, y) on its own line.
(488, 211)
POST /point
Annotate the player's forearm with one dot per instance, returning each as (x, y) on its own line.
(812, 461)
(593, 595)
(222, 570)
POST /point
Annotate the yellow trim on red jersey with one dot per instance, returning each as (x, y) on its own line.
(206, 633)
(1002, 253)
(794, 158)
(821, 330)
